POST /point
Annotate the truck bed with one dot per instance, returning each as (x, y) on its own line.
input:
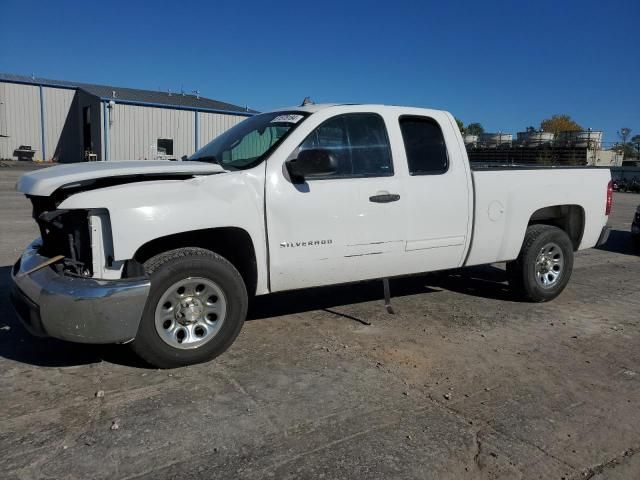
(506, 197)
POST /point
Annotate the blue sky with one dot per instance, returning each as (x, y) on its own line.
(505, 64)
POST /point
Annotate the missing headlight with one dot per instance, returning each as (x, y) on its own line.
(66, 232)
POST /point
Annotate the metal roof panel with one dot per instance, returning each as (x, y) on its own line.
(165, 99)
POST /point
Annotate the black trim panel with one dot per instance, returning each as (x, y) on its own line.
(385, 198)
(502, 166)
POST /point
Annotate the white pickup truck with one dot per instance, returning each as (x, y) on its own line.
(165, 255)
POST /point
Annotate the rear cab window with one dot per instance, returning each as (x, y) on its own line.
(424, 145)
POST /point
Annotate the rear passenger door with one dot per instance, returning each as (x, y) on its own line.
(343, 226)
(437, 192)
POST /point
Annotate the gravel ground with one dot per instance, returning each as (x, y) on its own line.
(462, 382)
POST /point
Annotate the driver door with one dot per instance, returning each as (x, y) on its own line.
(343, 226)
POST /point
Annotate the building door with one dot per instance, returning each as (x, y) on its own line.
(87, 143)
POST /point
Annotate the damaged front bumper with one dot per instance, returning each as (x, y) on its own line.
(77, 309)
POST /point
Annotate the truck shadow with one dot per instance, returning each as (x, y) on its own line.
(18, 345)
(485, 281)
(620, 241)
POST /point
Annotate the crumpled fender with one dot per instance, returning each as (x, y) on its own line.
(145, 211)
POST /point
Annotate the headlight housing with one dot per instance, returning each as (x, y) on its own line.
(66, 232)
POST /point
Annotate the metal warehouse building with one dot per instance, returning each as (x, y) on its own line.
(51, 120)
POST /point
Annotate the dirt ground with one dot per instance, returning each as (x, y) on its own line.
(462, 382)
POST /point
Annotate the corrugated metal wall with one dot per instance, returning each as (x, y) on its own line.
(21, 119)
(135, 130)
(20, 107)
(3, 115)
(210, 125)
(132, 135)
(57, 104)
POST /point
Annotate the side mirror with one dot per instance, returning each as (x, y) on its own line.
(310, 163)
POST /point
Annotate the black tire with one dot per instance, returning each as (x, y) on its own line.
(173, 266)
(522, 271)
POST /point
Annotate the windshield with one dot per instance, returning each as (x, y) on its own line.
(250, 141)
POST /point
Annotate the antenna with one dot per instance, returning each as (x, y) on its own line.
(307, 101)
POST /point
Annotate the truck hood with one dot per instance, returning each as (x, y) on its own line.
(46, 181)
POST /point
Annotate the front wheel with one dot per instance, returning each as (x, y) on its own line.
(544, 265)
(196, 307)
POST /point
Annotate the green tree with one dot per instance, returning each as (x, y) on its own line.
(474, 129)
(628, 150)
(460, 125)
(624, 133)
(560, 123)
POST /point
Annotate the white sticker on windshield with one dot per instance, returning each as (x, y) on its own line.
(291, 118)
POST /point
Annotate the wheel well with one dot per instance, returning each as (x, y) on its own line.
(569, 218)
(232, 243)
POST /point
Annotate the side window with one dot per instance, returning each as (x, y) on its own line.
(425, 146)
(359, 142)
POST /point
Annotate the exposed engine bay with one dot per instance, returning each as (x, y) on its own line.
(64, 232)
(68, 232)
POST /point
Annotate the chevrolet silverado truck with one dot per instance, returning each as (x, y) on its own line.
(166, 255)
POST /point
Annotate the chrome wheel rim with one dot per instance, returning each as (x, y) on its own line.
(549, 265)
(190, 313)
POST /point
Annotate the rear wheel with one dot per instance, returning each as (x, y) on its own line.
(544, 265)
(195, 309)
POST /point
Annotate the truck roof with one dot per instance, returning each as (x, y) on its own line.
(311, 108)
(316, 107)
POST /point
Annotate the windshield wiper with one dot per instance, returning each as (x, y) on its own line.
(212, 159)
(206, 158)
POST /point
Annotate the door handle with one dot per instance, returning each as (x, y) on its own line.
(384, 197)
